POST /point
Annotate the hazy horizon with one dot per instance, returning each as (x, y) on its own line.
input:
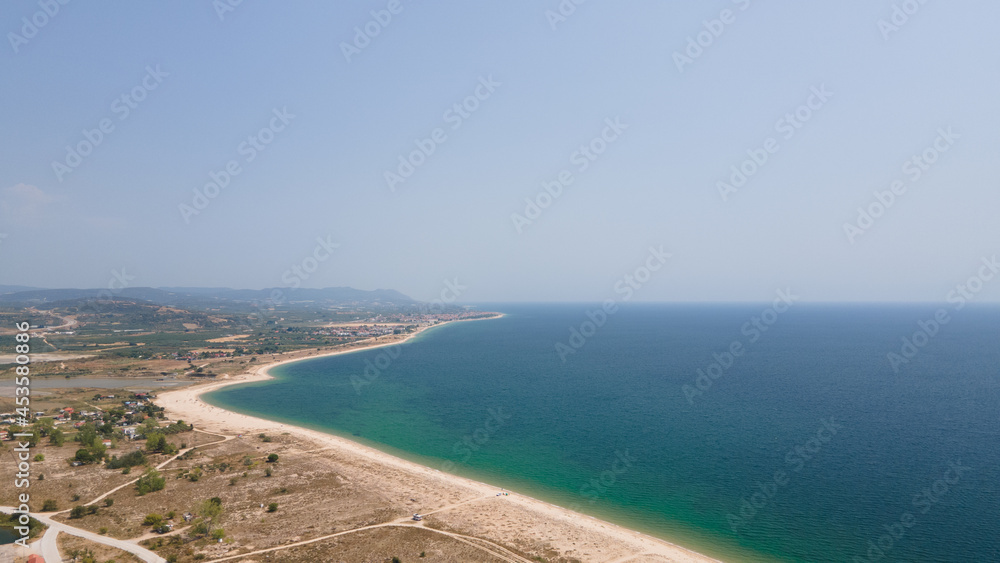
(102, 294)
(390, 144)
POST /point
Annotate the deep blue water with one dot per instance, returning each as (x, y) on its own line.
(611, 431)
(7, 536)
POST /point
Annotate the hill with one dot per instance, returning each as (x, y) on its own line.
(208, 297)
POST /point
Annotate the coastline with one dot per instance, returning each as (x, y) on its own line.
(187, 404)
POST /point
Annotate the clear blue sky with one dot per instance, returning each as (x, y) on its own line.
(552, 86)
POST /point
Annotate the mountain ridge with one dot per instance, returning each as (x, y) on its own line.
(206, 296)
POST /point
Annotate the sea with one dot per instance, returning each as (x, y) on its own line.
(748, 432)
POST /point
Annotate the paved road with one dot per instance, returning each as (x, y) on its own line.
(49, 550)
(47, 545)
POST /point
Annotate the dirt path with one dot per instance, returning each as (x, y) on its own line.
(493, 549)
(48, 547)
(161, 465)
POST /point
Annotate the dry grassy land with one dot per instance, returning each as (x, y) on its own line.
(69, 545)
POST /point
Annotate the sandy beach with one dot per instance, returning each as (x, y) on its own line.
(514, 520)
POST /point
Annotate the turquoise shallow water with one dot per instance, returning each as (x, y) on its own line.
(806, 447)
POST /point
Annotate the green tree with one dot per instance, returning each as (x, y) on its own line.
(148, 426)
(88, 436)
(34, 437)
(150, 481)
(45, 426)
(211, 507)
(49, 506)
(210, 510)
(56, 437)
(271, 458)
(83, 455)
(131, 459)
(155, 442)
(77, 512)
(10, 520)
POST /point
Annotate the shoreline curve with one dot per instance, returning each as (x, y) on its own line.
(187, 404)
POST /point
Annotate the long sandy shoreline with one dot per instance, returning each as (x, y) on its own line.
(187, 404)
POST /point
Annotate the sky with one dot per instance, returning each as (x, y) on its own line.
(718, 150)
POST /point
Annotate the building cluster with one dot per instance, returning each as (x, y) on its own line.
(358, 331)
(133, 410)
(192, 356)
